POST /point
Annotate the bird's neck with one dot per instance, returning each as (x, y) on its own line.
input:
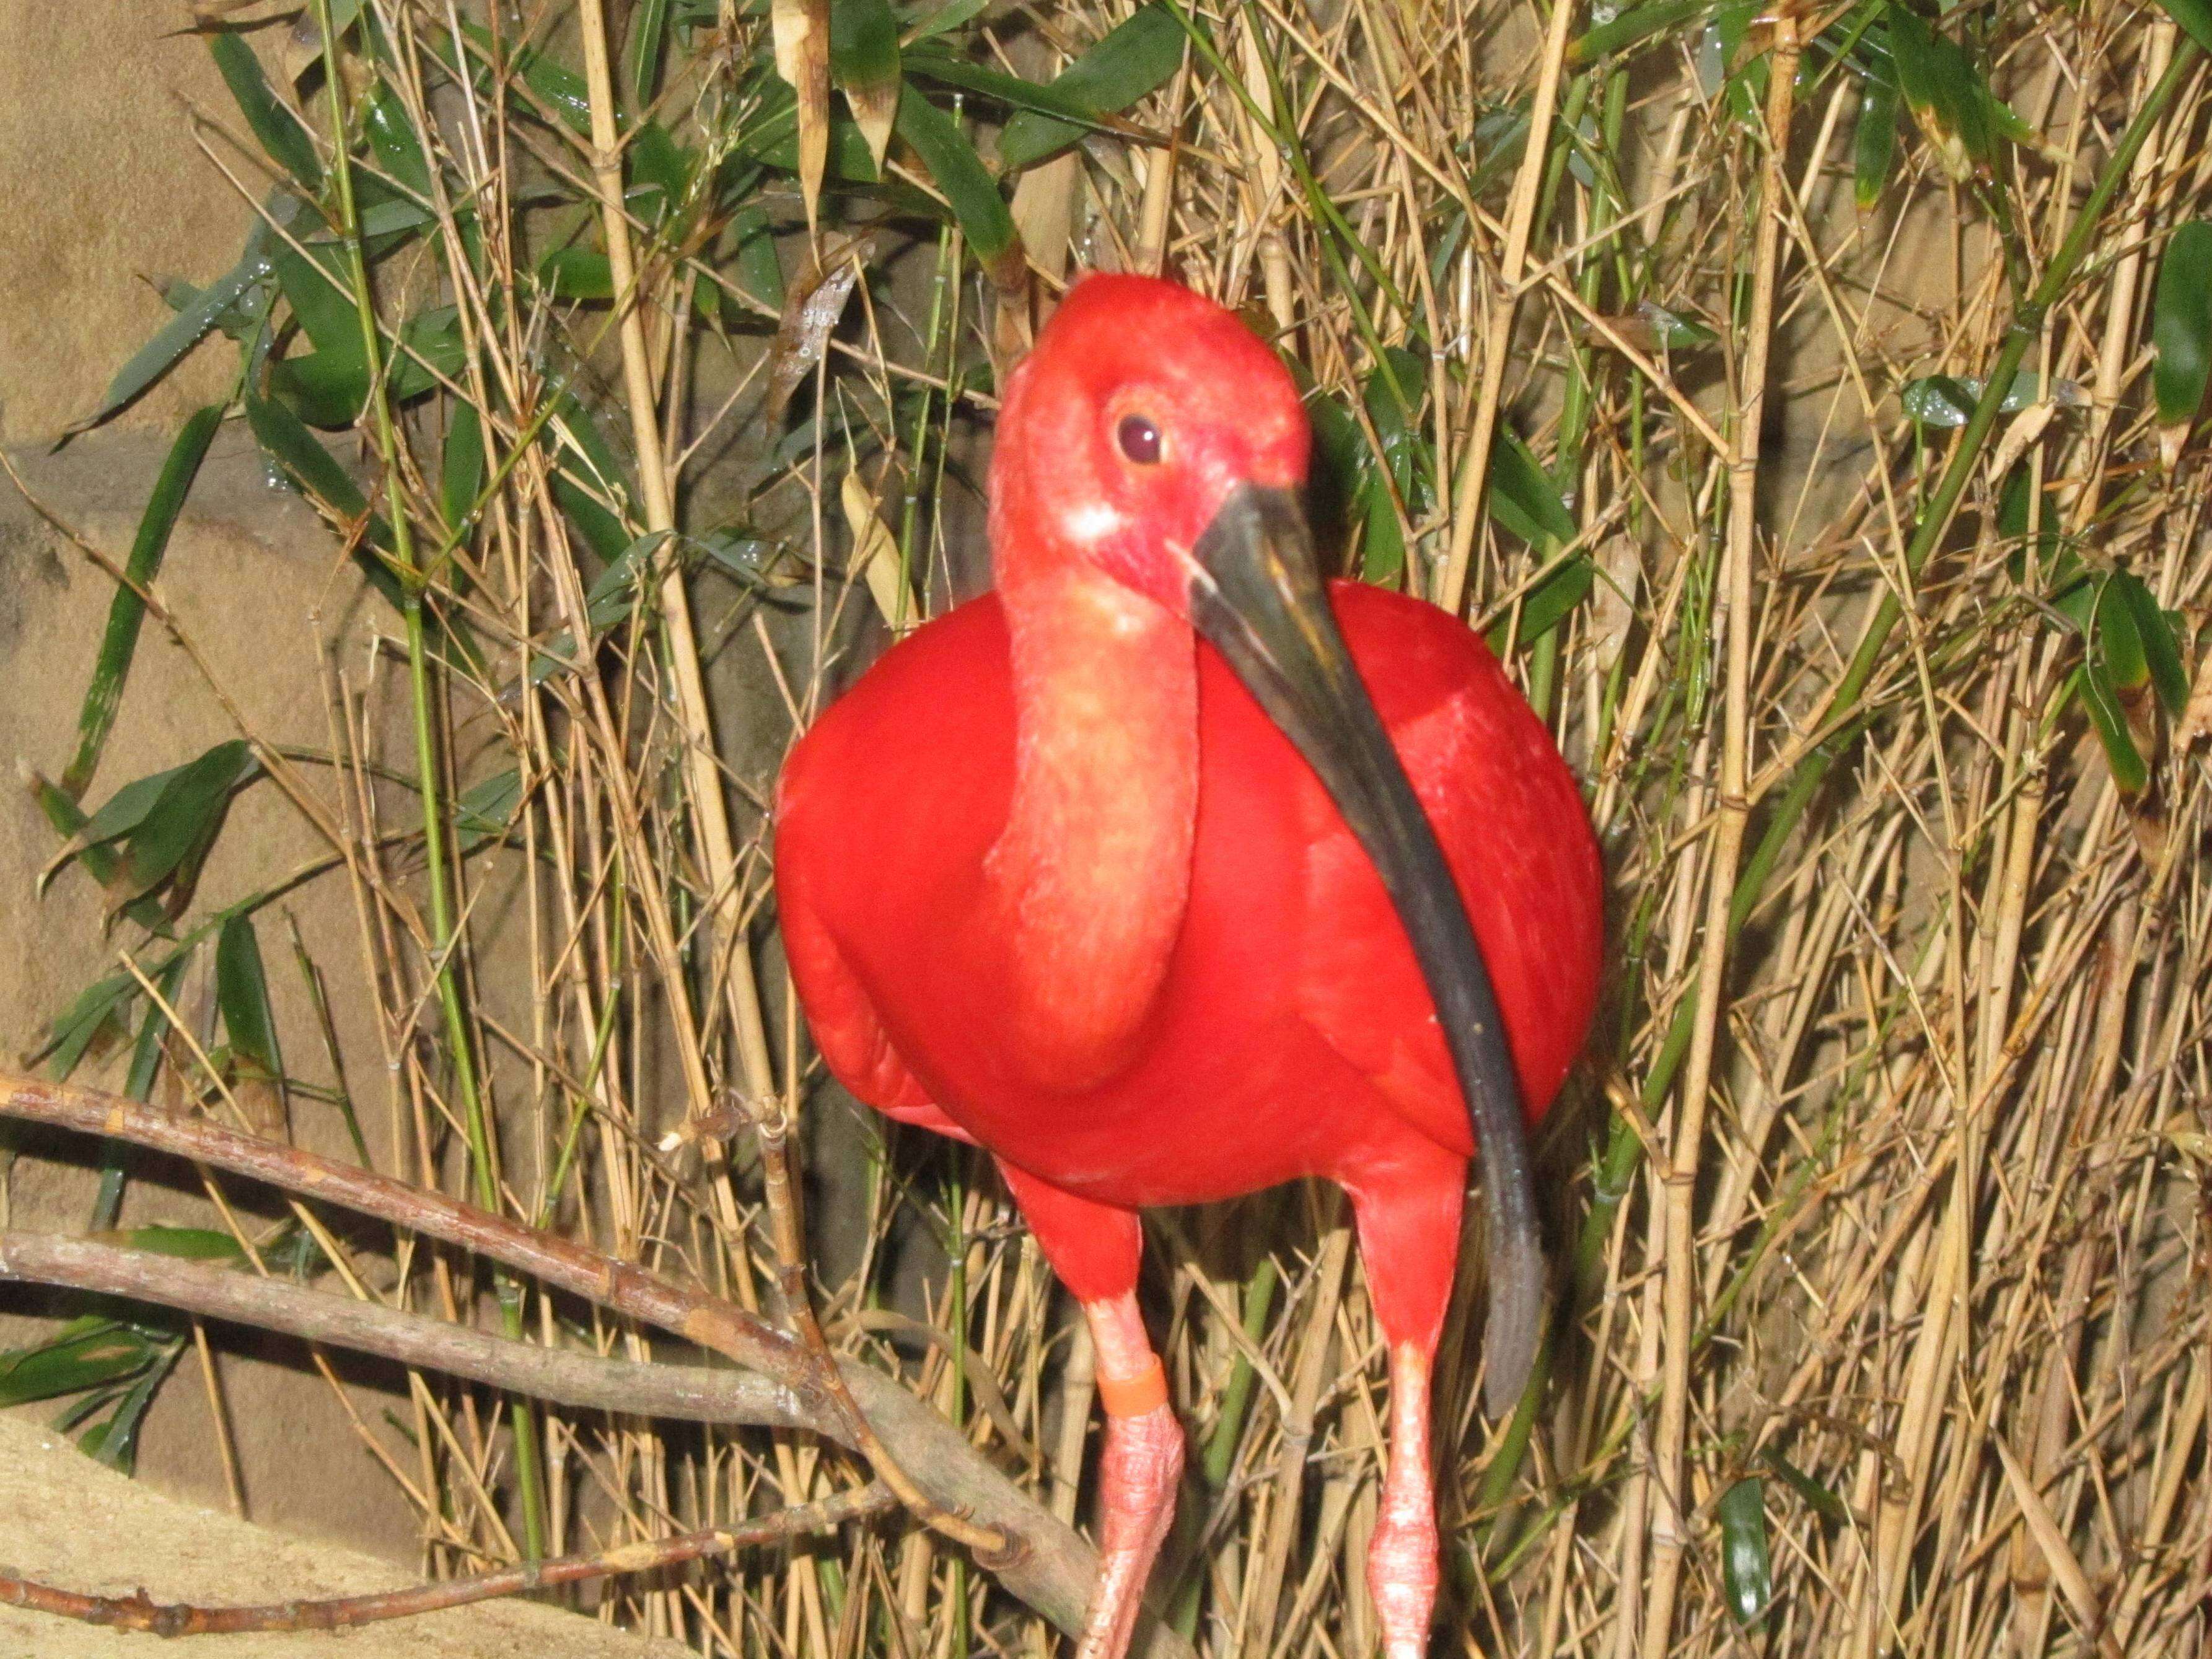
(1093, 869)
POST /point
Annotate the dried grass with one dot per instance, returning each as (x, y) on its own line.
(1911, 1232)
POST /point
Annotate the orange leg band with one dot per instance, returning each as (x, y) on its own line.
(1133, 1396)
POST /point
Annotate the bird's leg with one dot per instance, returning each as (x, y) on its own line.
(1139, 1471)
(1409, 1235)
(1401, 1561)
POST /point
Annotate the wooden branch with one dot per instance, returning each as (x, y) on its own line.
(141, 1612)
(621, 1286)
(1048, 1566)
(582, 1382)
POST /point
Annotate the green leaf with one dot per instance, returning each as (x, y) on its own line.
(2115, 643)
(1130, 60)
(485, 810)
(276, 128)
(398, 146)
(2194, 17)
(1873, 146)
(663, 170)
(127, 610)
(2110, 720)
(154, 360)
(310, 281)
(577, 273)
(242, 994)
(146, 1056)
(1634, 28)
(959, 173)
(1554, 599)
(951, 15)
(167, 821)
(98, 1008)
(648, 42)
(2161, 652)
(864, 61)
(313, 468)
(560, 88)
(1949, 100)
(1746, 1571)
(186, 1243)
(102, 863)
(89, 1352)
(1523, 497)
(752, 244)
(1672, 331)
(2181, 324)
(461, 467)
(1822, 1501)
(115, 1442)
(1939, 400)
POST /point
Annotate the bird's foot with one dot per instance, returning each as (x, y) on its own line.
(1139, 1472)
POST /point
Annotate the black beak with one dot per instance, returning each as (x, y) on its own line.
(1258, 597)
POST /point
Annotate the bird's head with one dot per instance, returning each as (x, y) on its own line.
(1143, 410)
(1151, 438)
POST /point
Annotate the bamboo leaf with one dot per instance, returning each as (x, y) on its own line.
(1873, 146)
(2194, 17)
(864, 56)
(967, 184)
(1132, 59)
(648, 43)
(88, 1353)
(185, 1243)
(151, 361)
(274, 125)
(1746, 1572)
(313, 468)
(2160, 652)
(127, 610)
(397, 145)
(1948, 96)
(2181, 334)
(1523, 497)
(801, 33)
(484, 810)
(164, 822)
(1635, 27)
(2110, 720)
(250, 1024)
(95, 1012)
(1822, 1501)
(115, 1442)
(461, 466)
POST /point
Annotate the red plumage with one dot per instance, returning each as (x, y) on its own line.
(1050, 879)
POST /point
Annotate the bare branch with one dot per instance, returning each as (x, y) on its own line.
(141, 1612)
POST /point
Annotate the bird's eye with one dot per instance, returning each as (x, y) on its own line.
(1139, 440)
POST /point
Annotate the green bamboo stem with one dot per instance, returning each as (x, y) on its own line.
(529, 1477)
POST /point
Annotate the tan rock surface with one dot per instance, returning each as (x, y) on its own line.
(101, 186)
(65, 1520)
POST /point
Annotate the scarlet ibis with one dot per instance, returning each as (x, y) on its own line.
(1152, 873)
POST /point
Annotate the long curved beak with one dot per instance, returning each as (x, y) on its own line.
(1257, 595)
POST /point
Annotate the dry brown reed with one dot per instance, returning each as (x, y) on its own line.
(1902, 1160)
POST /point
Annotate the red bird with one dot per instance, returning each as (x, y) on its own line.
(1151, 872)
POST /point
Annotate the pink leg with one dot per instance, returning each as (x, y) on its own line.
(1094, 1249)
(1137, 1473)
(1409, 1237)
(1401, 1561)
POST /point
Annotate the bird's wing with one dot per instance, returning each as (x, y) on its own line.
(1510, 820)
(847, 1029)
